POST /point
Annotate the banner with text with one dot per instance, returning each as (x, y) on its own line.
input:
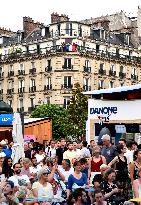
(114, 110)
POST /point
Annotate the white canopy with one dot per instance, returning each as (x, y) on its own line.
(113, 90)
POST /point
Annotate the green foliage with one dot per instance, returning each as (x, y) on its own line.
(59, 117)
(69, 122)
(78, 111)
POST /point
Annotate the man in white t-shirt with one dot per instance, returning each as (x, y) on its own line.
(17, 178)
(51, 150)
(66, 169)
(35, 168)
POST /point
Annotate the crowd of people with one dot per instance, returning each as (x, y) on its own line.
(71, 173)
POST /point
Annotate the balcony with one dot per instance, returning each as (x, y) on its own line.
(32, 71)
(87, 69)
(10, 91)
(102, 72)
(10, 73)
(122, 75)
(66, 86)
(112, 73)
(21, 90)
(134, 77)
(21, 109)
(86, 88)
(21, 72)
(48, 69)
(30, 109)
(32, 89)
(67, 68)
(47, 87)
(1, 91)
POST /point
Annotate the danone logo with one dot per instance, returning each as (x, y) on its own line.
(103, 110)
(103, 113)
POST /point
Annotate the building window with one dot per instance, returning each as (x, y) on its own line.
(32, 83)
(66, 102)
(134, 71)
(32, 102)
(67, 82)
(112, 67)
(69, 28)
(101, 84)
(10, 85)
(21, 103)
(47, 100)
(86, 84)
(21, 67)
(121, 69)
(48, 85)
(101, 66)
(11, 68)
(67, 63)
(32, 65)
(32, 87)
(111, 84)
(21, 86)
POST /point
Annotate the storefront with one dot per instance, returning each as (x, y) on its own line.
(115, 111)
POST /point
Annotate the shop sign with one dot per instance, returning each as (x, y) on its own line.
(6, 119)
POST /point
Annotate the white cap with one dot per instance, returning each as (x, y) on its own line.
(2, 155)
(3, 142)
(106, 137)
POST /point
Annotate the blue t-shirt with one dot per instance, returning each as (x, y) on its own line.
(85, 171)
(80, 182)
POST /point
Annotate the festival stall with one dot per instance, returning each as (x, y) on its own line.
(117, 110)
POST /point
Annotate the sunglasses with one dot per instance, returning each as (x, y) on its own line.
(45, 174)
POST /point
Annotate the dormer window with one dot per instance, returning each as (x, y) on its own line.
(127, 39)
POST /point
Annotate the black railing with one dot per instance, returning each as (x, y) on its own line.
(67, 67)
(32, 89)
(1, 91)
(112, 73)
(81, 49)
(66, 86)
(21, 109)
(87, 69)
(21, 72)
(134, 77)
(21, 90)
(10, 91)
(86, 88)
(122, 75)
(48, 69)
(47, 87)
(10, 73)
(32, 71)
(102, 72)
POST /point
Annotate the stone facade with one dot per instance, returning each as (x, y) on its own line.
(44, 67)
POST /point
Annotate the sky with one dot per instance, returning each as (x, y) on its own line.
(13, 11)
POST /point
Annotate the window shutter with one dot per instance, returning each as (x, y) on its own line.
(69, 81)
(65, 80)
(69, 62)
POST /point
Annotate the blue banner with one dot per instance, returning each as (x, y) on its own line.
(6, 119)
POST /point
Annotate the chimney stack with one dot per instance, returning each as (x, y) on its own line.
(56, 18)
(29, 25)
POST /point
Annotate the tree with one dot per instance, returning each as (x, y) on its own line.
(78, 111)
(60, 118)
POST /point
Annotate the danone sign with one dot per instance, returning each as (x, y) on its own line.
(114, 110)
